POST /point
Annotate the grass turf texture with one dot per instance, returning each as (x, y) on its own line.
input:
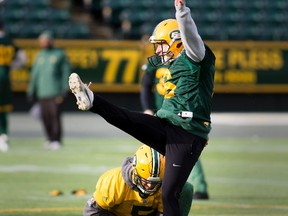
(245, 176)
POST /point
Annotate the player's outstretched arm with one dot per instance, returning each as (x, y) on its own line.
(190, 37)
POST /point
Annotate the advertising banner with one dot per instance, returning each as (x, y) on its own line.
(115, 66)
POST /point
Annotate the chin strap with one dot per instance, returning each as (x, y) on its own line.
(142, 195)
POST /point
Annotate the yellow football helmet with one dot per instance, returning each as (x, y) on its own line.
(148, 170)
(166, 32)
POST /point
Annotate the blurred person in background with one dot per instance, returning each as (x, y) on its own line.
(11, 57)
(134, 187)
(48, 86)
(151, 98)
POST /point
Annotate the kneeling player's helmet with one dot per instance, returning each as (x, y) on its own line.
(148, 170)
(166, 32)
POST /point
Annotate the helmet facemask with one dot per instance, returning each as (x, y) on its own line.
(155, 184)
(148, 171)
(167, 36)
(165, 55)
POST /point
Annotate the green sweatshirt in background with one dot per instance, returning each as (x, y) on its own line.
(49, 74)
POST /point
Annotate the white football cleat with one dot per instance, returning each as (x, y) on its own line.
(55, 145)
(4, 143)
(81, 91)
(4, 137)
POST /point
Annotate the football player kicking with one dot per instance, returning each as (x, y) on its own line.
(180, 129)
(135, 188)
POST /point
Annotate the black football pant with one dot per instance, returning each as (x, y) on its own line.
(51, 119)
(181, 149)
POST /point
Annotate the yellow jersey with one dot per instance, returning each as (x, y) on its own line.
(114, 195)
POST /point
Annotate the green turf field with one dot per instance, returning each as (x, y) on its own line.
(245, 176)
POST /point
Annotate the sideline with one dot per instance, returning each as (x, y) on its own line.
(250, 119)
(85, 124)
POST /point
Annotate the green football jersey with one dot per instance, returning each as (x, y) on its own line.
(189, 89)
(159, 89)
(7, 55)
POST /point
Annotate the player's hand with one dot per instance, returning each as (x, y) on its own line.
(59, 99)
(179, 3)
(149, 112)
